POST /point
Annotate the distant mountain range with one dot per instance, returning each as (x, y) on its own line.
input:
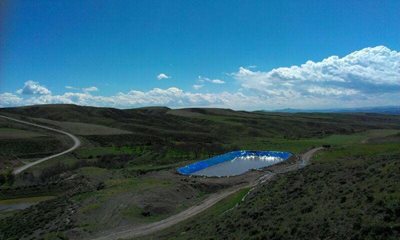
(383, 110)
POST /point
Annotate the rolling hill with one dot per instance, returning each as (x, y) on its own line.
(124, 173)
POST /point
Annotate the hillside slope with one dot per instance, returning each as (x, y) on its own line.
(348, 192)
(124, 174)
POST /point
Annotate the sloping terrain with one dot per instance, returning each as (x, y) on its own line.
(123, 174)
(348, 192)
(20, 143)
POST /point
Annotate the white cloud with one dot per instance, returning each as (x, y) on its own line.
(9, 99)
(369, 77)
(331, 91)
(175, 97)
(172, 97)
(205, 79)
(197, 86)
(370, 71)
(31, 87)
(217, 81)
(90, 89)
(162, 76)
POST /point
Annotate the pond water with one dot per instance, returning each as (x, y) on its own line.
(234, 163)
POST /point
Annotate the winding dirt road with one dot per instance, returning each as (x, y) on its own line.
(306, 157)
(77, 143)
(142, 230)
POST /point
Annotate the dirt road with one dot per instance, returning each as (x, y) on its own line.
(136, 231)
(77, 143)
(168, 222)
(306, 157)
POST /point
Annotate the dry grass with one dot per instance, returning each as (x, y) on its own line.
(11, 133)
(84, 128)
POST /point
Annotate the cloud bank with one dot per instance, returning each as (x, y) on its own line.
(370, 71)
(173, 97)
(368, 77)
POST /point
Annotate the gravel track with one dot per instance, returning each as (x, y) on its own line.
(76, 140)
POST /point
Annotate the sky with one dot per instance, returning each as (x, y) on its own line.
(246, 55)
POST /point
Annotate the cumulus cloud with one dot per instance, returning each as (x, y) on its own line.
(370, 71)
(162, 76)
(173, 97)
(31, 87)
(205, 79)
(9, 99)
(369, 77)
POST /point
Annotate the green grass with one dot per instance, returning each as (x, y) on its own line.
(115, 183)
(132, 212)
(122, 199)
(135, 214)
(152, 167)
(98, 151)
(301, 145)
(93, 172)
(363, 150)
(218, 210)
(114, 186)
(12, 133)
(160, 141)
(54, 236)
(4, 215)
(225, 204)
(65, 160)
(25, 200)
(90, 207)
(350, 191)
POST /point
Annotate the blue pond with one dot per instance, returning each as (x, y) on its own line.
(234, 163)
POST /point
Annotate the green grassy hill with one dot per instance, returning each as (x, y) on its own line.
(348, 192)
(124, 172)
(167, 136)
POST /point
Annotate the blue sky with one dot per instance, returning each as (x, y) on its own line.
(234, 54)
